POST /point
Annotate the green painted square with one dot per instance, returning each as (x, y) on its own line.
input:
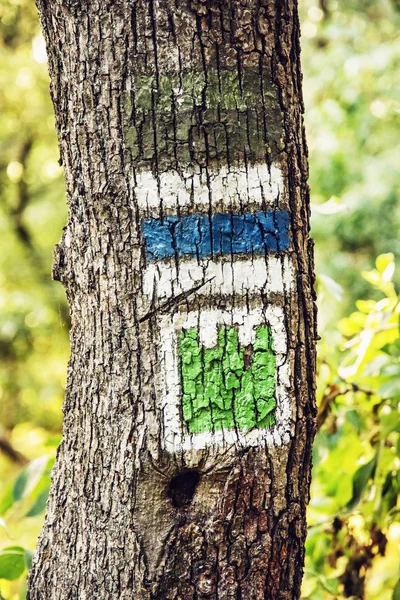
(227, 386)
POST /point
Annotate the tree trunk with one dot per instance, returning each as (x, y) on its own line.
(184, 469)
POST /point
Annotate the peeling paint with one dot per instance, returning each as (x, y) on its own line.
(192, 105)
(231, 187)
(221, 277)
(200, 235)
(228, 386)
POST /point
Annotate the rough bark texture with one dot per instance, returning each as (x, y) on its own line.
(164, 108)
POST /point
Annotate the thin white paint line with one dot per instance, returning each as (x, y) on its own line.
(274, 275)
(229, 186)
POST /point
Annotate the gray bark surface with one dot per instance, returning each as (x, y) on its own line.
(161, 86)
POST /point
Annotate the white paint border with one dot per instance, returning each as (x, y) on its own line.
(175, 437)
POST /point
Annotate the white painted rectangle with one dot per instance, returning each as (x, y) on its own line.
(176, 438)
(234, 186)
(163, 280)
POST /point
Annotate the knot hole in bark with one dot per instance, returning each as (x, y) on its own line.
(182, 487)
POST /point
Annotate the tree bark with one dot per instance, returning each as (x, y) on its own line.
(184, 469)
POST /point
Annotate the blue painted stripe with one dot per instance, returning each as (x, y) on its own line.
(196, 235)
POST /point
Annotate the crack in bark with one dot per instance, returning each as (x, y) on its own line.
(174, 301)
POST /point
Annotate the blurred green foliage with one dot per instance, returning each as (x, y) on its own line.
(33, 313)
(351, 64)
(354, 514)
(33, 345)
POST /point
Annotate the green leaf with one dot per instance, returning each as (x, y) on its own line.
(393, 348)
(389, 389)
(384, 261)
(330, 586)
(372, 277)
(28, 556)
(39, 505)
(391, 369)
(389, 423)
(6, 501)
(389, 495)
(360, 482)
(29, 477)
(396, 591)
(365, 306)
(12, 562)
(330, 207)
(332, 287)
(3, 524)
(22, 593)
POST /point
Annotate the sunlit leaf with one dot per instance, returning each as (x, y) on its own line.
(3, 524)
(360, 481)
(365, 306)
(332, 286)
(12, 562)
(390, 422)
(372, 277)
(396, 591)
(28, 556)
(29, 477)
(39, 504)
(383, 261)
(390, 389)
(6, 501)
(333, 206)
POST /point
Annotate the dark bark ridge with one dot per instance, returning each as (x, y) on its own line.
(159, 105)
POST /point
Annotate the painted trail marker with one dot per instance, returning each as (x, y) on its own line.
(228, 386)
(209, 324)
(224, 359)
(202, 236)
